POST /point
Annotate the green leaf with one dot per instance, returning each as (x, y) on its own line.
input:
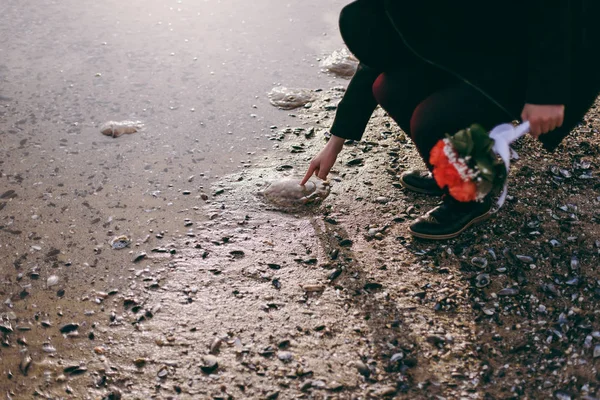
(482, 142)
(486, 169)
(484, 186)
(462, 142)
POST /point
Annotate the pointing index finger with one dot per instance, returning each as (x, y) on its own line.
(309, 173)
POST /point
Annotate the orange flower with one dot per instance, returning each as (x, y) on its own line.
(464, 191)
(446, 175)
(437, 157)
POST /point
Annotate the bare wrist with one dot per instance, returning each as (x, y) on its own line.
(336, 143)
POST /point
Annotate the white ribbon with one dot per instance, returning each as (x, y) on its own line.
(503, 136)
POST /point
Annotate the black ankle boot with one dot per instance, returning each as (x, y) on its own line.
(450, 219)
(420, 182)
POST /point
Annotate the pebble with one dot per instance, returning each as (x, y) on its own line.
(508, 292)
(335, 274)
(562, 395)
(52, 280)
(479, 262)
(355, 161)
(209, 364)
(215, 345)
(525, 259)
(48, 348)
(6, 327)
(385, 391)
(318, 384)
(120, 242)
(335, 386)
(139, 257)
(71, 327)
(363, 369)
(482, 280)
(285, 356)
(140, 362)
(436, 340)
(597, 351)
(163, 372)
(396, 357)
(313, 288)
(346, 243)
(574, 262)
(25, 364)
(74, 369)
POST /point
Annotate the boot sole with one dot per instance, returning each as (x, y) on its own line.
(473, 222)
(420, 190)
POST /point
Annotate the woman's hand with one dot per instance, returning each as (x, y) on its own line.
(322, 163)
(543, 118)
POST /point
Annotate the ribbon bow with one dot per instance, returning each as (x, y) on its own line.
(504, 135)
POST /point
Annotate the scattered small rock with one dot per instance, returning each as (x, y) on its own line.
(285, 356)
(52, 280)
(139, 257)
(508, 292)
(363, 369)
(120, 242)
(71, 327)
(209, 364)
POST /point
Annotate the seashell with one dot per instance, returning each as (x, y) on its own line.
(25, 364)
(479, 262)
(52, 280)
(69, 327)
(597, 351)
(120, 242)
(482, 280)
(508, 292)
(574, 262)
(396, 357)
(209, 364)
(215, 345)
(313, 288)
(525, 259)
(48, 348)
(565, 173)
(573, 281)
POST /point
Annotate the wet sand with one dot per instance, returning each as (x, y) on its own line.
(196, 74)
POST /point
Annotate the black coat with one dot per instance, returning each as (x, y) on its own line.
(551, 45)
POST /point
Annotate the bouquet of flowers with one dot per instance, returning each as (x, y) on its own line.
(467, 162)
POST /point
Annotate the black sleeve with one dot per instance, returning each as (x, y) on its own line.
(549, 51)
(357, 105)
